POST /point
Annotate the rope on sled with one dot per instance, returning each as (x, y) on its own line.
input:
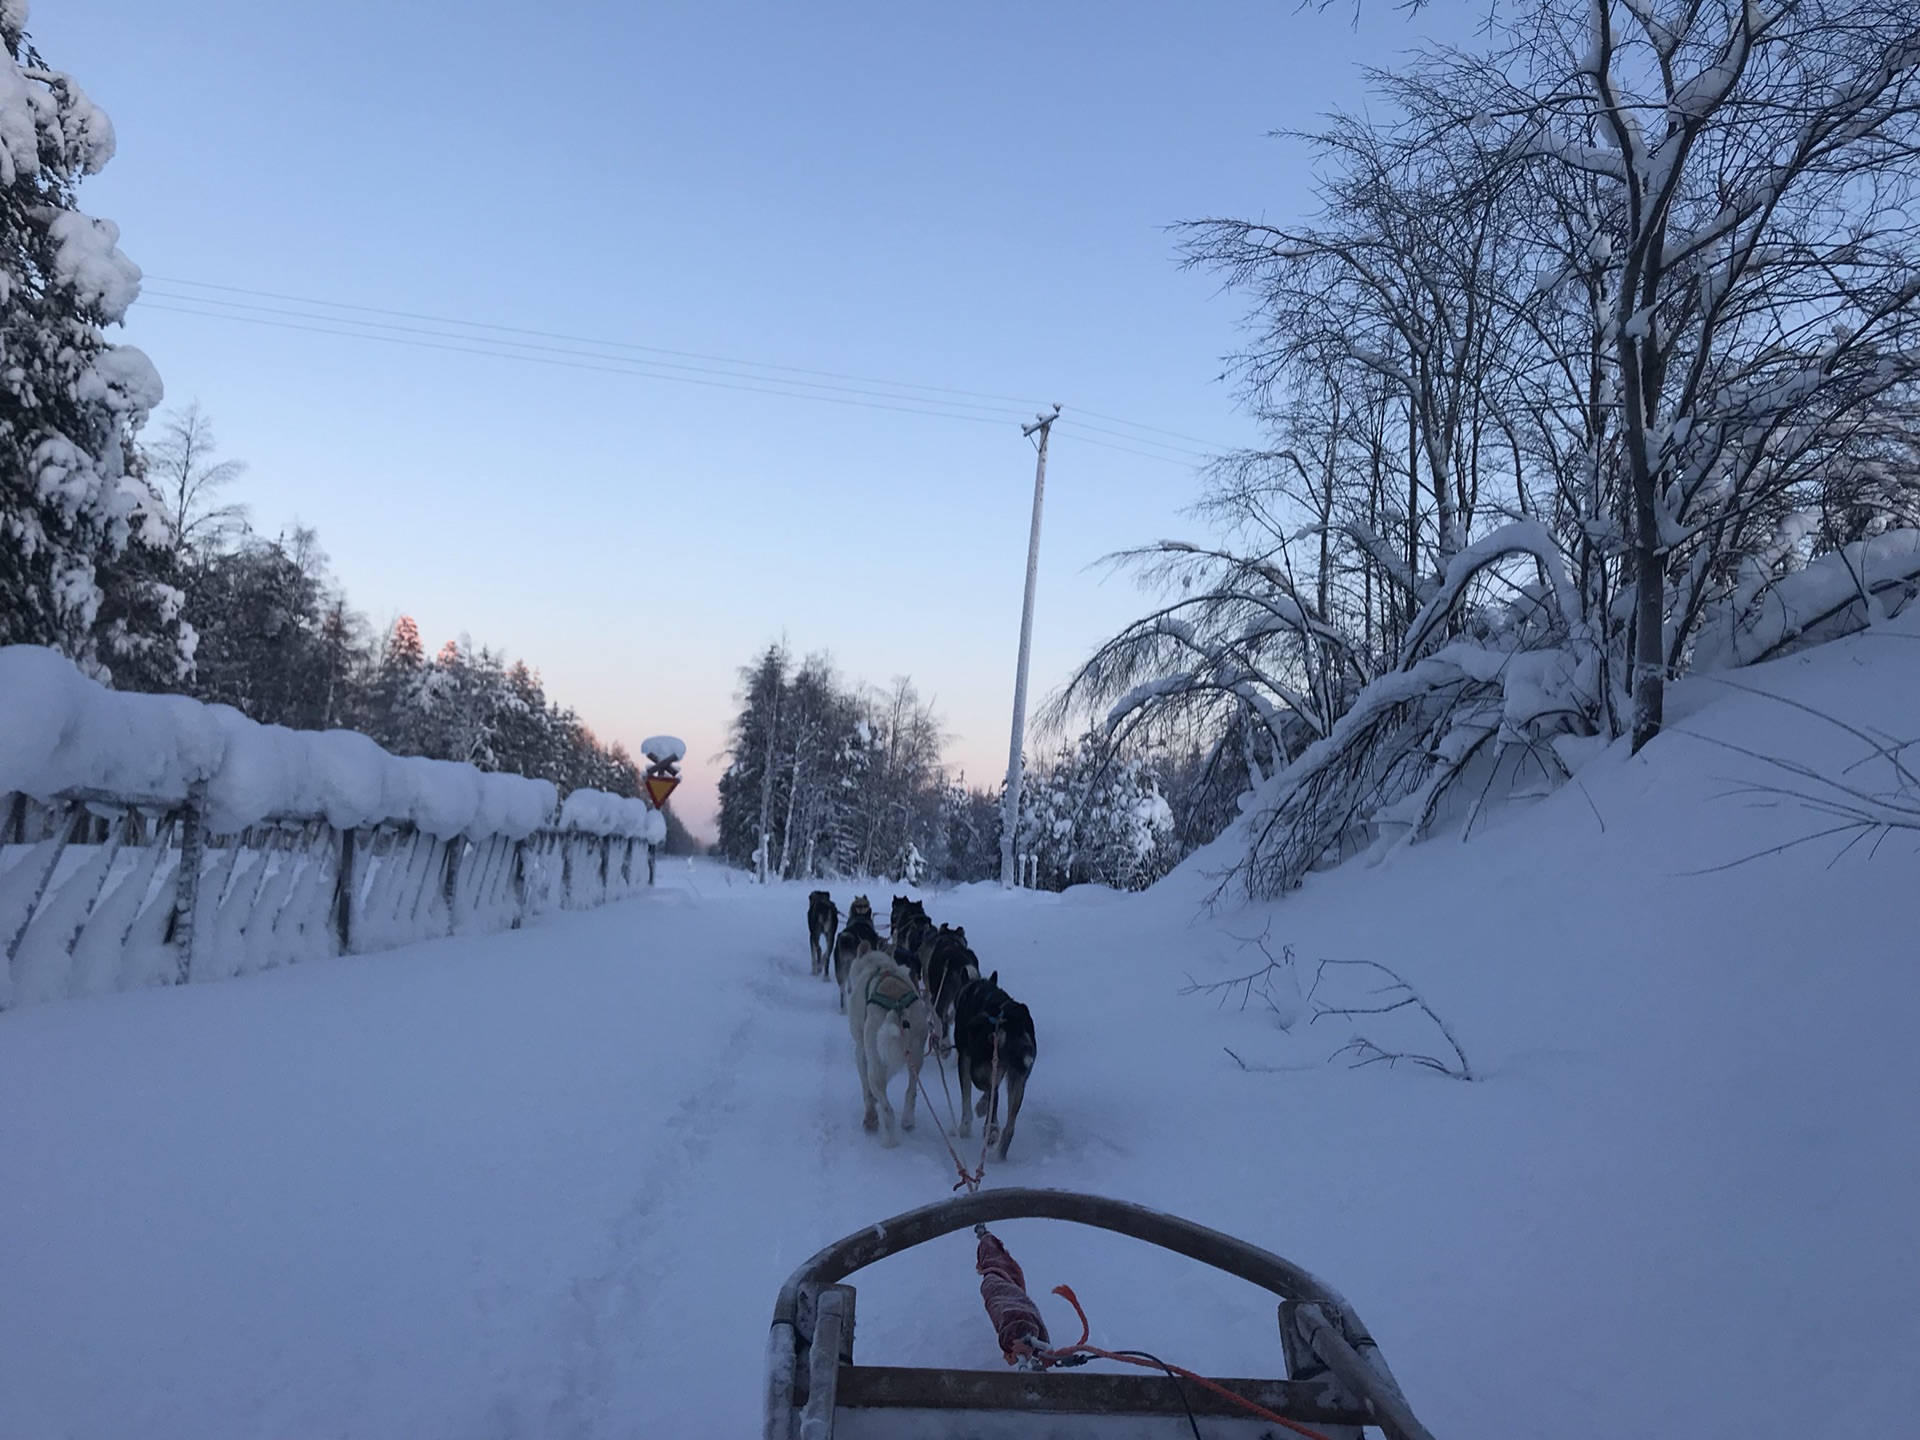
(1024, 1342)
(1003, 1288)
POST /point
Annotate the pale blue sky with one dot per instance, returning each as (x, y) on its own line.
(970, 196)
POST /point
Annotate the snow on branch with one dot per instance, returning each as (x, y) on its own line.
(1834, 594)
(1390, 992)
(1517, 537)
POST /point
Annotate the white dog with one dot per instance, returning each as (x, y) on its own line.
(888, 1020)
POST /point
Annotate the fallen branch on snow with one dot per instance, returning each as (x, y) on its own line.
(1860, 811)
(1276, 985)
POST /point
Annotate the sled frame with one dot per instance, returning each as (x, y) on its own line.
(1336, 1379)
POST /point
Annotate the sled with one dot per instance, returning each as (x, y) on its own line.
(1335, 1380)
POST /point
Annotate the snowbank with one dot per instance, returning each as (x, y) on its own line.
(61, 731)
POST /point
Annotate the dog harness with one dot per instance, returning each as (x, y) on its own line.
(890, 992)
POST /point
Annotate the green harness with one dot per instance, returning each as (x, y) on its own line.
(897, 1002)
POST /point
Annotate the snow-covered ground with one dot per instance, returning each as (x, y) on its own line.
(546, 1183)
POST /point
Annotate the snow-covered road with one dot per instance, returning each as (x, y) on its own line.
(546, 1183)
(540, 1183)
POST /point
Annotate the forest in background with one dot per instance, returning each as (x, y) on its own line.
(828, 778)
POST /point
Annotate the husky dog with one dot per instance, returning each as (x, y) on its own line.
(823, 924)
(993, 1033)
(946, 966)
(910, 937)
(857, 937)
(888, 1021)
(901, 914)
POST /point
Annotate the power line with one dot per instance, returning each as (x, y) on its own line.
(1135, 424)
(370, 329)
(1081, 428)
(792, 381)
(1085, 439)
(1023, 401)
(575, 364)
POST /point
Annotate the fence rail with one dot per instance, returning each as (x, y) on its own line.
(102, 892)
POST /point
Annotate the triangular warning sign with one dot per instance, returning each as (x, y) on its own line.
(659, 787)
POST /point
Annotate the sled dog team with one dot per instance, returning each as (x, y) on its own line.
(920, 990)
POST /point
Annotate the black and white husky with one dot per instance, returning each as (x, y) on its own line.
(888, 1021)
(993, 1035)
(823, 925)
(947, 965)
(856, 939)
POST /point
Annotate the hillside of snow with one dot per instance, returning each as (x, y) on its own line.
(546, 1183)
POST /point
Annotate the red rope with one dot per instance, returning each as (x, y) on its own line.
(1003, 1288)
(1023, 1334)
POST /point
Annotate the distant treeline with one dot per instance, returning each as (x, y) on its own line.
(827, 779)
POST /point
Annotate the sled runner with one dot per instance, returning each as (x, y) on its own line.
(1336, 1381)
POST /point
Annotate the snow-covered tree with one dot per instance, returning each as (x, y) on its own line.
(747, 810)
(72, 499)
(826, 779)
(967, 845)
(1093, 816)
(276, 640)
(1730, 188)
(1609, 325)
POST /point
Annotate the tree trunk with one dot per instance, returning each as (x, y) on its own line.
(766, 787)
(793, 796)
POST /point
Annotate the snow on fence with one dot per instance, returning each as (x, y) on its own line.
(153, 840)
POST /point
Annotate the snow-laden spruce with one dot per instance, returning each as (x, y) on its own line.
(83, 543)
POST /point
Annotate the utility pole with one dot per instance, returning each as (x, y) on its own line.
(1010, 805)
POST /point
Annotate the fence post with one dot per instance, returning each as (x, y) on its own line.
(343, 889)
(519, 883)
(424, 843)
(61, 838)
(456, 852)
(186, 890)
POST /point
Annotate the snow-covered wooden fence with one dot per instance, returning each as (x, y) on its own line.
(151, 840)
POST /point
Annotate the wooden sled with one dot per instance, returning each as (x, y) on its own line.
(1336, 1381)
